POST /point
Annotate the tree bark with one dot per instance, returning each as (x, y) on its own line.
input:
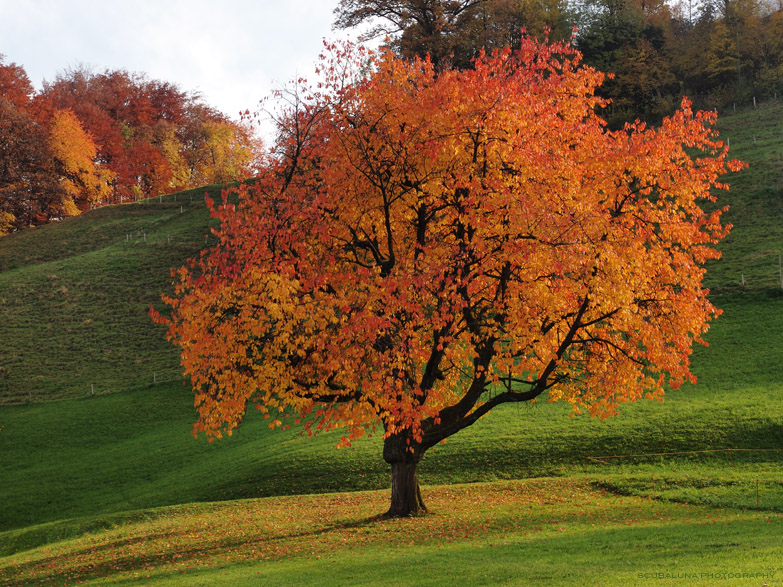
(406, 497)
(406, 494)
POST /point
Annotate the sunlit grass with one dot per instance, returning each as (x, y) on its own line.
(508, 530)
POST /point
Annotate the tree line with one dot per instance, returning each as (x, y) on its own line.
(87, 139)
(714, 51)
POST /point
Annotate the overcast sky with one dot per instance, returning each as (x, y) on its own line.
(234, 52)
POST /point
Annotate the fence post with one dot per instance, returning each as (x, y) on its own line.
(780, 271)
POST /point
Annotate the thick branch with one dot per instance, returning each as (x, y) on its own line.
(432, 438)
(325, 398)
(461, 415)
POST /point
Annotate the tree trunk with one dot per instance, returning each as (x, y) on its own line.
(406, 495)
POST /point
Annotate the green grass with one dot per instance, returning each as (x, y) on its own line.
(755, 200)
(96, 451)
(544, 531)
(74, 297)
(131, 450)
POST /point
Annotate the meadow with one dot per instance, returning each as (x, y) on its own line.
(102, 481)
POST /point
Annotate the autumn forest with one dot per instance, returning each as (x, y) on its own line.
(89, 139)
(714, 51)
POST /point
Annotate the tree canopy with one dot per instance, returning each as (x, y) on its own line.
(428, 246)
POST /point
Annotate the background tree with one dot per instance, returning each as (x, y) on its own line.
(453, 32)
(85, 183)
(629, 40)
(222, 152)
(89, 139)
(29, 191)
(15, 86)
(497, 24)
(771, 74)
(427, 247)
(418, 27)
(150, 135)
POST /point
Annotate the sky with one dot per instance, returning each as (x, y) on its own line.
(233, 52)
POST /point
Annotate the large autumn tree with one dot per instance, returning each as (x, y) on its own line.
(427, 247)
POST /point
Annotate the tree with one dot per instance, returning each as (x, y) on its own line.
(453, 32)
(427, 247)
(152, 137)
(645, 85)
(29, 191)
(226, 153)
(502, 23)
(627, 38)
(85, 183)
(421, 27)
(15, 86)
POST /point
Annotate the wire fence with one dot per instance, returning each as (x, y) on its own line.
(743, 488)
(604, 459)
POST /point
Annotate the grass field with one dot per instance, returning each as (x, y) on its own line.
(543, 531)
(102, 481)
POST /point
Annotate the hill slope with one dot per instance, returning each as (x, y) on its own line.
(74, 297)
(755, 203)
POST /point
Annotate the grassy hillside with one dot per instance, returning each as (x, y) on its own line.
(74, 297)
(755, 202)
(73, 321)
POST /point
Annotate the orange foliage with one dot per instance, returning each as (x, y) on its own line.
(90, 139)
(226, 152)
(84, 182)
(429, 246)
(148, 133)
